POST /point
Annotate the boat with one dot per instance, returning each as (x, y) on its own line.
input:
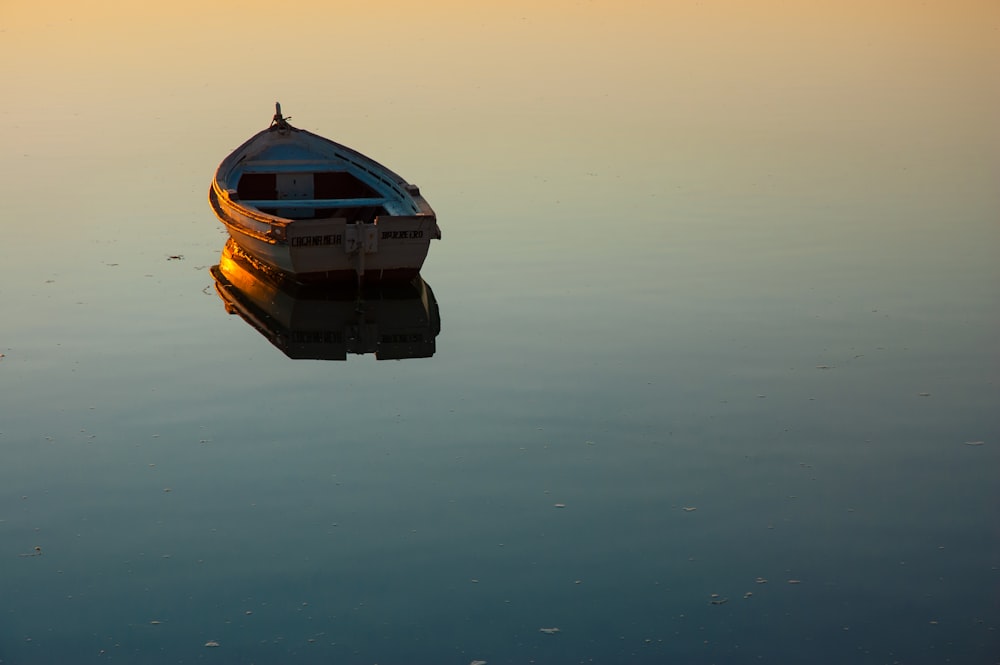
(392, 320)
(317, 210)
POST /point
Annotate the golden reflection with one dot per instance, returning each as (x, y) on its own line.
(327, 322)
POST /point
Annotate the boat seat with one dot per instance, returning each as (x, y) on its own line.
(290, 166)
(316, 203)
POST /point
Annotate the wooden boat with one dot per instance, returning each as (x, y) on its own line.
(390, 319)
(318, 210)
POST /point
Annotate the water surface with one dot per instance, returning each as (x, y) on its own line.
(715, 376)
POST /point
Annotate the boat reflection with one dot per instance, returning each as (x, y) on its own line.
(327, 322)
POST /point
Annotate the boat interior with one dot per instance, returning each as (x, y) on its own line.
(310, 195)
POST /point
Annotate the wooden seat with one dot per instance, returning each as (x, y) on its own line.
(316, 203)
(289, 166)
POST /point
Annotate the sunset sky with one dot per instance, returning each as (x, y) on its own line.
(657, 77)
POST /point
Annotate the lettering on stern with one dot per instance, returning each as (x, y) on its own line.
(402, 235)
(318, 240)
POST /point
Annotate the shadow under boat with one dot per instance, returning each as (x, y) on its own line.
(329, 321)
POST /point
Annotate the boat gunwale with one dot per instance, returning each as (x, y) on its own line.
(217, 195)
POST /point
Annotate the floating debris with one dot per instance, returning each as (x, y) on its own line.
(559, 505)
(748, 594)
(718, 601)
(212, 643)
(760, 580)
(689, 509)
(478, 662)
(548, 631)
(974, 443)
(823, 367)
(795, 581)
(178, 257)
(155, 622)
(37, 552)
(923, 394)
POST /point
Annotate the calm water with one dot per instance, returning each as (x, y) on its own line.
(714, 377)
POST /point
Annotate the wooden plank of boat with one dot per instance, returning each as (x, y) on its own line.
(318, 210)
